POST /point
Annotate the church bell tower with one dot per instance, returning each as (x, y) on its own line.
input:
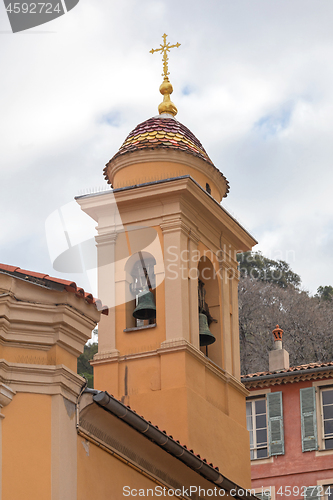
(167, 269)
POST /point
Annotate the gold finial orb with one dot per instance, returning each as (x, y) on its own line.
(167, 106)
(166, 87)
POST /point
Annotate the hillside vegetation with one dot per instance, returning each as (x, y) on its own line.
(270, 294)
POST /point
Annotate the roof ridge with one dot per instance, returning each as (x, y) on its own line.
(291, 369)
(47, 281)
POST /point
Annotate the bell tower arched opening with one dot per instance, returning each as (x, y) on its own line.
(141, 309)
(210, 328)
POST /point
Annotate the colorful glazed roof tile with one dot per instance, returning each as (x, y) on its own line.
(163, 133)
(53, 283)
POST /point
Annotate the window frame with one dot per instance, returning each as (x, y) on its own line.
(321, 435)
(325, 496)
(254, 449)
(324, 484)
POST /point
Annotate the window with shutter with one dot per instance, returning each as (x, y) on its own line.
(308, 419)
(313, 493)
(275, 423)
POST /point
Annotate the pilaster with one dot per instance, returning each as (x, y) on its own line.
(6, 396)
(225, 295)
(234, 276)
(106, 256)
(193, 241)
(177, 321)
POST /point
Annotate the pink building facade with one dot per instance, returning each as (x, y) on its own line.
(290, 422)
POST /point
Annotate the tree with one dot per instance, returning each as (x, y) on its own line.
(307, 324)
(325, 293)
(256, 266)
(84, 368)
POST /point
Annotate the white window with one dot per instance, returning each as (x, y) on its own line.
(327, 418)
(256, 418)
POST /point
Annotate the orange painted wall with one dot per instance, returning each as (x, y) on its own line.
(26, 448)
(56, 355)
(102, 476)
(175, 387)
(148, 172)
(176, 392)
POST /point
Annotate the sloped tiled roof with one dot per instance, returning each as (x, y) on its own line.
(163, 132)
(308, 366)
(52, 283)
(163, 431)
(307, 371)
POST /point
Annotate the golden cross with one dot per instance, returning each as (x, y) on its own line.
(165, 48)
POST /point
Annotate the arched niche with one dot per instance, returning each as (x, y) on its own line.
(208, 275)
(134, 269)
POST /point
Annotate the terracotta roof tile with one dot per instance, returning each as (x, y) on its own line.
(11, 269)
(31, 273)
(45, 280)
(168, 435)
(292, 369)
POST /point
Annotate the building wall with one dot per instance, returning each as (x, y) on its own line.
(26, 448)
(161, 372)
(294, 469)
(103, 476)
(42, 332)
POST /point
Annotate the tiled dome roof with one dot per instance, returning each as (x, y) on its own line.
(163, 132)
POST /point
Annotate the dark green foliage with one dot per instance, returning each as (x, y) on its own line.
(84, 368)
(255, 266)
(325, 293)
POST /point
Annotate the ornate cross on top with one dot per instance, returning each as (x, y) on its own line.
(167, 106)
(165, 48)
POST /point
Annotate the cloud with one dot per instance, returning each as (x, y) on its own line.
(252, 80)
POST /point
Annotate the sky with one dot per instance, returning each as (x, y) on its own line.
(252, 79)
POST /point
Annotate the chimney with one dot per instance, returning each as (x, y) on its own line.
(278, 358)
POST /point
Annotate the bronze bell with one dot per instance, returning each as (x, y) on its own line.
(146, 308)
(205, 336)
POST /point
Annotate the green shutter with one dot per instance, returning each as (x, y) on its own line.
(308, 419)
(275, 423)
(311, 492)
(263, 495)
